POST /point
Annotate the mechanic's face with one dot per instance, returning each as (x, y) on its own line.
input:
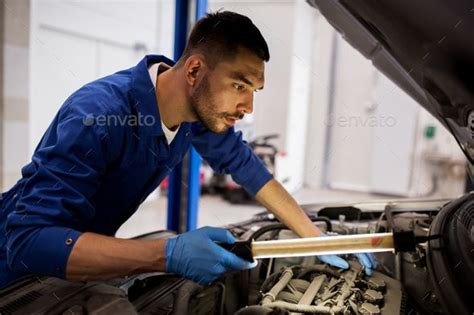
(225, 94)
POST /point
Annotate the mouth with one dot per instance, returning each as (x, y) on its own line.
(231, 121)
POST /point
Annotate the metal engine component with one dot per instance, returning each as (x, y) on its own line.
(369, 309)
(376, 284)
(320, 289)
(373, 296)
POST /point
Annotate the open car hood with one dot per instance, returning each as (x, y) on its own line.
(425, 46)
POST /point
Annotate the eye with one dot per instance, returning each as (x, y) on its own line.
(238, 87)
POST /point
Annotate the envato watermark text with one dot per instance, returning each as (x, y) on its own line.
(354, 121)
(119, 120)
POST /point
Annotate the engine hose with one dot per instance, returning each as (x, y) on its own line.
(297, 308)
(268, 280)
(319, 268)
(270, 296)
(312, 290)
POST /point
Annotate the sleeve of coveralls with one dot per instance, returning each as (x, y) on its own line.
(228, 153)
(67, 170)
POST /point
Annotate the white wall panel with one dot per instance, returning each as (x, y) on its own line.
(317, 127)
(351, 139)
(125, 22)
(300, 93)
(61, 64)
(392, 154)
(75, 42)
(112, 59)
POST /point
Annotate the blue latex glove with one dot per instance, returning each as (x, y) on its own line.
(366, 259)
(196, 256)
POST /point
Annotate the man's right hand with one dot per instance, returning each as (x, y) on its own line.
(196, 256)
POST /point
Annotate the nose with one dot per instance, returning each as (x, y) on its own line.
(246, 105)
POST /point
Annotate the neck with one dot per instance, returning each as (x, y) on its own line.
(172, 99)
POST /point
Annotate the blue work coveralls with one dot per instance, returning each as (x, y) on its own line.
(102, 155)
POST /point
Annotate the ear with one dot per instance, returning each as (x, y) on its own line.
(194, 68)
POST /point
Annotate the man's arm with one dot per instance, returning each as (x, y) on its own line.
(54, 205)
(193, 255)
(96, 256)
(276, 199)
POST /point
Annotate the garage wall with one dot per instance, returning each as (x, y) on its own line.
(15, 89)
(76, 42)
(393, 138)
(365, 134)
(351, 141)
(2, 101)
(317, 132)
(302, 75)
(439, 164)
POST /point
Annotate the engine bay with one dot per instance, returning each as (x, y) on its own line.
(425, 281)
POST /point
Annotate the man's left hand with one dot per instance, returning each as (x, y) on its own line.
(366, 259)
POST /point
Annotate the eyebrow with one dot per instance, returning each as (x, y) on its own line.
(237, 75)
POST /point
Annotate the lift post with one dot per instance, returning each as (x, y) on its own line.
(184, 181)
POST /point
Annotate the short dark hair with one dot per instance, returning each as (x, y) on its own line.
(219, 35)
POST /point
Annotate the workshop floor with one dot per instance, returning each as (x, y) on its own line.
(215, 211)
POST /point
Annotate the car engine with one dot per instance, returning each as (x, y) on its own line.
(437, 278)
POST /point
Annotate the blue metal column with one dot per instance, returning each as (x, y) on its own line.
(175, 177)
(194, 188)
(183, 199)
(201, 8)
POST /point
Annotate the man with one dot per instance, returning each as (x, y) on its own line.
(115, 139)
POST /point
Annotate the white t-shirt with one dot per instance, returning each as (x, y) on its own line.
(154, 70)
